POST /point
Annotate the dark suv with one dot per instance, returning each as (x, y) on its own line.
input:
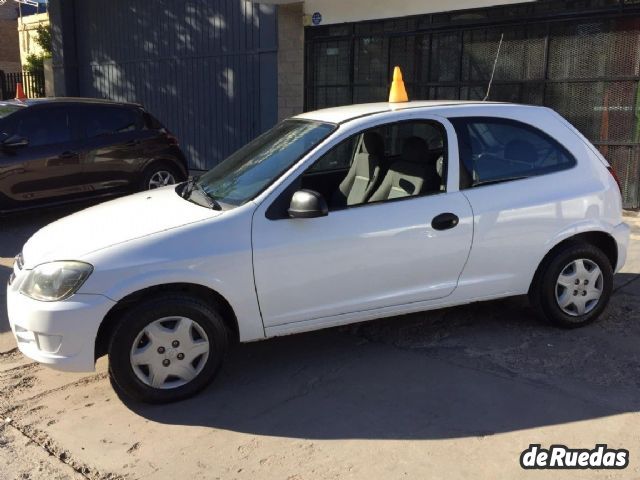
(60, 150)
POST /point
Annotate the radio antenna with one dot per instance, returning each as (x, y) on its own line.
(493, 71)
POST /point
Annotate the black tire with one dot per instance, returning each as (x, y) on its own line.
(542, 294)
(139, 316)
(157, 167)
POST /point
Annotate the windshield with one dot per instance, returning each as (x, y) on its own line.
(247, 172)
(7, 109)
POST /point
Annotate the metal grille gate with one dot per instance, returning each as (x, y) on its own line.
(206, 68)
(581, 58)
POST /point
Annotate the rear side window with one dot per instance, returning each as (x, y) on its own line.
(151, 122)
(43, 126)
(107, 120)
(495, 150)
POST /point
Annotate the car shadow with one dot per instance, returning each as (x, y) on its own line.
(627, 283)
(467, 371)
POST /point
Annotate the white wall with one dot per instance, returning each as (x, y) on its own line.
(340, 11)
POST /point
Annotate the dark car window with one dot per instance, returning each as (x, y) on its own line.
(42, 126)
(494, 150)
(7, 109)
(151, 122)
(107, 120)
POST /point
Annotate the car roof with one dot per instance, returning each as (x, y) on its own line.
(30, 102)
(350, 112)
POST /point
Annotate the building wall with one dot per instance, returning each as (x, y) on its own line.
(206, 69)
(9, 49)
(340, 11)
(27, 26)
(290, 60)
(581, 60)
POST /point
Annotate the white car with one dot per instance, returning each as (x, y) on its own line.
(332, 217)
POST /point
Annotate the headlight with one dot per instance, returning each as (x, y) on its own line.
(54, 281)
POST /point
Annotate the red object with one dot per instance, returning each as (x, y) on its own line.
(20, 92)
(173, 140)
(615, 177)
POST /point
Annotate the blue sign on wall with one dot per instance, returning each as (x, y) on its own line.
(316, 18)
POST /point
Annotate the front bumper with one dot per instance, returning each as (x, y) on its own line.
(59, 334)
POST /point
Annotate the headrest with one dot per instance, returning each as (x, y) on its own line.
(373, 143)
(414, 150)
(520, 150)
(436, 143)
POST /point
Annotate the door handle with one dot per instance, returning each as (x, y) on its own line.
(68, 154)
(445, 221)
(132, 143)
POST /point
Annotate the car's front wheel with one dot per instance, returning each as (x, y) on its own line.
(167, 348)
(573, 286)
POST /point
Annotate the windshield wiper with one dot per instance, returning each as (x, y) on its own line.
(499, 180)
(189, 186)
(213, 203)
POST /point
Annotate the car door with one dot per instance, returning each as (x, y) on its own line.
(364, 257)
(524, 191)
(48, 168)
(112, 151)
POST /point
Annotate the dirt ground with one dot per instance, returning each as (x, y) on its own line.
(453, 393)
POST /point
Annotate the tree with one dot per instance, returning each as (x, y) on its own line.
(34, 62)
(43, 38)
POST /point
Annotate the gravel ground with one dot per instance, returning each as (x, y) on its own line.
(453, 393)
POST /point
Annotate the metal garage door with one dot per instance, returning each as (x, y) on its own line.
(205, 68)
(580, 58)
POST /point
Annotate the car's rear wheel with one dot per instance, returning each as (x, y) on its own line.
(160, 174)
(573, 286)
(167, 348)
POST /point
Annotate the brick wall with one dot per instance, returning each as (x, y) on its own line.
(9, 47)
(9, 11)
(290, 60)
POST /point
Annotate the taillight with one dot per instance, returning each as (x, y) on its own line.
(615, 177)
(173, 140)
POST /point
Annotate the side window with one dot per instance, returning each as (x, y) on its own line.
(496, 150)
(44, 126)
(396, 160)
(151, 122)
(108, 120)
(339, 158)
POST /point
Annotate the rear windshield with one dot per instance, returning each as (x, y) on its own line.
(7, 109)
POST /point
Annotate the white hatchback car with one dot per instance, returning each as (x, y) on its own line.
(331, 217)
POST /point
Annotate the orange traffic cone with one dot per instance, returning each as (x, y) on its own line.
(398, 93)
(20, 92)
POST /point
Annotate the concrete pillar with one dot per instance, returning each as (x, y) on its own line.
(290, 60)
(49, 81)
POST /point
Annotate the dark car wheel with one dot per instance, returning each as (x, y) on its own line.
(167, 349)
(573, 287)
(160, 174)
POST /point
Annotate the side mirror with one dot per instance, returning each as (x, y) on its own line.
(15, 141)
(308, 204)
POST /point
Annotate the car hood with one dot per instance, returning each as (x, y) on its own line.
(111, 223)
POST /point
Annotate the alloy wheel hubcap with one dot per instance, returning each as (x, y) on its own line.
(158, 363)
(160, 179)
(579, 287)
